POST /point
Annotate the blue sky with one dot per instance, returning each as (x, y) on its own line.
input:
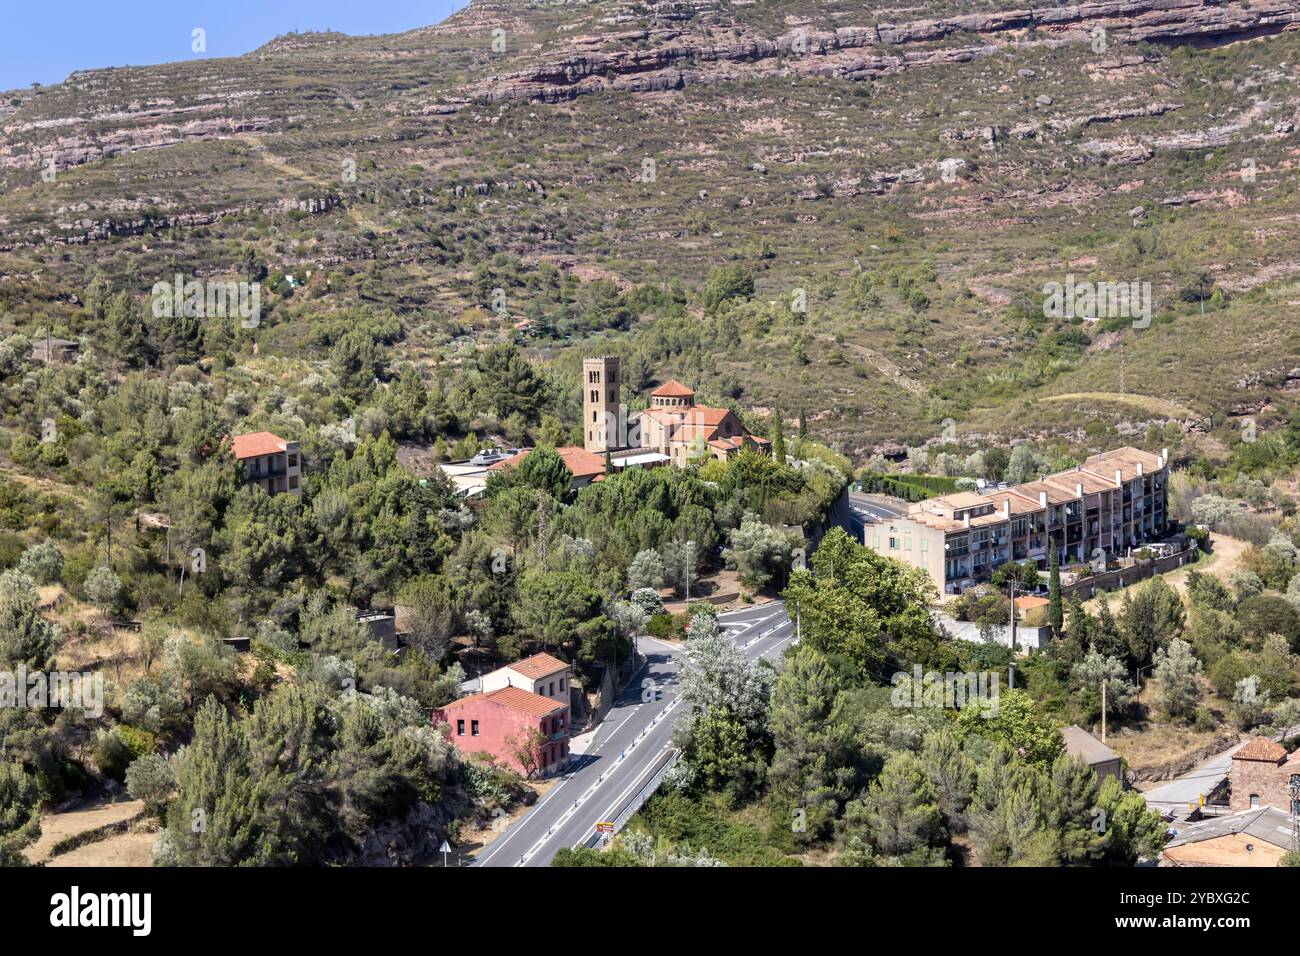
(44, 40)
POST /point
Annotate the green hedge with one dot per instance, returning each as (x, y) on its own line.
(907, 487)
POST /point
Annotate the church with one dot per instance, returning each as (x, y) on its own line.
(674, 428)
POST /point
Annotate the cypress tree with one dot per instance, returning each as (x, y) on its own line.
(778, 438)
(1055, 610)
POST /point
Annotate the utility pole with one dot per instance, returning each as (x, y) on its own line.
(798, 624)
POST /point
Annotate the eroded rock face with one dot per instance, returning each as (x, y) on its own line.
(687, 44)
(406, 842)
(844, 52)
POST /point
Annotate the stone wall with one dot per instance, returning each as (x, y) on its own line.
(1262, 777)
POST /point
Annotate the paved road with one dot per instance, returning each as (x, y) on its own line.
(865, 509)
(627, 748)
(875, 507)
(1178, 795)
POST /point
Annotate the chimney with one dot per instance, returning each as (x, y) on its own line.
(1006, 508)
(1139, 469)
(965, 519)
(1119, 478)
(1078, 489)
(1042, 499)
(1164, 457)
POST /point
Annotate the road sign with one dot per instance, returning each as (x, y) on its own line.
(605, 826)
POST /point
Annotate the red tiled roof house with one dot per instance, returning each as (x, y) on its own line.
(1261, 775)
(675, 426)
(585, 466)
(269, 462)
(501, 722)
(542, 674)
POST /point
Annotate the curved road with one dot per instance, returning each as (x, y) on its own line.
(628, 748)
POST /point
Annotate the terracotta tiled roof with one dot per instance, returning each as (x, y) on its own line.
(691, 422)
(673, 389)
(1092, 484)
(1056, 495)
(1020, 505)
(257, 443)
(1028, 602)
(1261, 748)
(513, 698)
(537, 666)
(1125, 459)
(1097, 475)
(962, 499)
(579, 461)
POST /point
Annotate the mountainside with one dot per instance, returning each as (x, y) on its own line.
(915, 174)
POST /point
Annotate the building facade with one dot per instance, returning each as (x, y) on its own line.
(1261, 776)
(673, 429)
(541, 674)
(269, 462)
(601, 416)
(506, 721)
(1103, 761)
(1112, 502)
(685, 432)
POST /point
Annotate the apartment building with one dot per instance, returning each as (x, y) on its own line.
(269, 462)
(1108, 504)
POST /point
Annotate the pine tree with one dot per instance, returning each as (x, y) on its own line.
(1108, 638)
(214, 820)
(812, 765)
(1073, 811)
(900, 812)
(952, 773)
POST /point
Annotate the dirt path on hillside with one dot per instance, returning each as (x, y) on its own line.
(89, 816)
(885, 366)
(124, 849)
(1224, 559)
